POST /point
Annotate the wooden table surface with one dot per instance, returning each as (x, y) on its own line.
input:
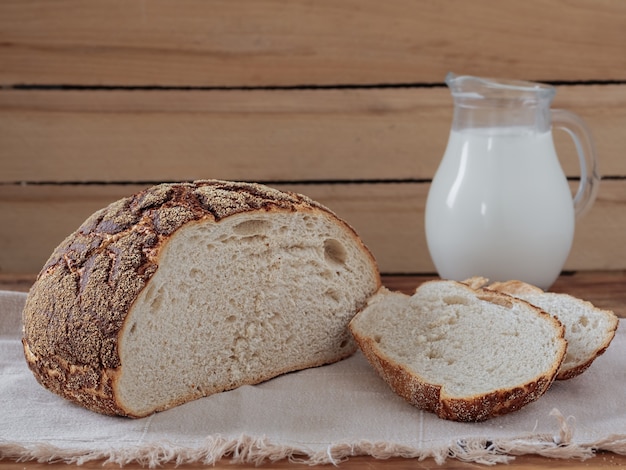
(604, 289)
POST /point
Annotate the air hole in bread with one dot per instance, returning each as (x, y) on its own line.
(251, 227)
(327, 274)
(334, 251)
(433, 354)
(455, 300)
(308, 223)
(195, 274)
(156, 302)
(333, 294)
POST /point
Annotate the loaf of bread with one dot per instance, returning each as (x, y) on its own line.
(588, 329)
(185, 290)
(464, 354)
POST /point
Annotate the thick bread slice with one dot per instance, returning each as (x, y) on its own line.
(463, 354)
(185, 290)
(588, 330)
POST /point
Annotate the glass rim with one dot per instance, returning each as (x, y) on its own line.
(470, 86)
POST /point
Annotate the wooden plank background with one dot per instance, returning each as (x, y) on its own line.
(341, 100)
(254, 43)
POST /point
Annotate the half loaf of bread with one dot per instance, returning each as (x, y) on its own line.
(463, 354)
(185, 290)
(588, 329)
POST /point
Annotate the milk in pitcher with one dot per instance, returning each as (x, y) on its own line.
(500, 207)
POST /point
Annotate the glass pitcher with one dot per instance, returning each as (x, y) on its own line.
(499, 205)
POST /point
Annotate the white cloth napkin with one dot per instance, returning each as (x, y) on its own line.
(319, 415)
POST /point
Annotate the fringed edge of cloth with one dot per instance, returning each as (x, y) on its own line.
(258, 450)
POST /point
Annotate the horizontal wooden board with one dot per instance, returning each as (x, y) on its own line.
(389, 218)
(299, 42)
(260, 135)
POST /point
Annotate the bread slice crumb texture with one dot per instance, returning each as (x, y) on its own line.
(238, 302)
(588, 329)
(468, 345)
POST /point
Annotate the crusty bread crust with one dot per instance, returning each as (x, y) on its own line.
(431, 397)
(76, 309)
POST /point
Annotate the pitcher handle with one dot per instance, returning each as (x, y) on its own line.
(589, 177)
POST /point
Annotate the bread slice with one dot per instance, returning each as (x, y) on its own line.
(588, 330)
(463, 354)
(185, 290)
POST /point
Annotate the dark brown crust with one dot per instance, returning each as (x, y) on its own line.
(77, 306)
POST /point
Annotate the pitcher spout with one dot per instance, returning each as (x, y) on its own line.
(498, 103)
(469, 86)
